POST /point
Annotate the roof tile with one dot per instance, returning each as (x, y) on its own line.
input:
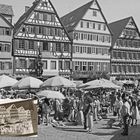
(6, 9)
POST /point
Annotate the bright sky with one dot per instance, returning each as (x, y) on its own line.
(112, 9)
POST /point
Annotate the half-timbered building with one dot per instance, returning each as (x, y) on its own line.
(91, 37)
(6, 32)
(39, 29)
(125, 52)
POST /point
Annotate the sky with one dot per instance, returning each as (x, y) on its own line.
(112, 9)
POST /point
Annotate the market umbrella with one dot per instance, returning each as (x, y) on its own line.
(28, 83)
(101, 83)
(51, 94)
(93, 82)
(58, 81)
(6, 81)
(109, 84)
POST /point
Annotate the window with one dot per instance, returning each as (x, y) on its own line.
(90, 66)
(89, 50)
(84, 50)
(87, 24)
(77, 49)
(31, 63)
(99, 26)
(66, 47)
(40, 16)
(53, 65)
(21, 44)
(53, 18)
(104, 26)
(58, 47)
(45, 46)
(88, 36)
(81, 49)
(81, 36)
(77, 67)
(7, 31)
(60, 65)
(0, 47)
(93, 50)
(94, 13)
(45, 64)
(93, 25)
(45, 16)
(94, 37)
(52, 31)
(40, 30)
(67, 65)
(85, 36)
(7, 47)
(23, 64)
(130, 43)
(84, 67)
(7, 65)
(49, 17)
(31, 45)
(81, 24)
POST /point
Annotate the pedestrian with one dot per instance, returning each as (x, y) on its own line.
(91, 110)
(57, 108)
(134, 113)
(80, 116)
(45, 111)
(85, 110)
(125, 112)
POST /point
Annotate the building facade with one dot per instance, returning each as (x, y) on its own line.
(125, 52)
(6, 32)
(91, 37)
(39, 31)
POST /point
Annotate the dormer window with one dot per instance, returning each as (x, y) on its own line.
(81, 24)
(95, 13)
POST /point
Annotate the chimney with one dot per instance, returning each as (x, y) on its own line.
(27, 8)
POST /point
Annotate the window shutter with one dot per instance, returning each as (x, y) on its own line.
(2, 66)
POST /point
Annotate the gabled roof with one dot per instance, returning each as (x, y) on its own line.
(117, 28)
(25, 16)
(6, 9)
(6, 21)
(71, 19)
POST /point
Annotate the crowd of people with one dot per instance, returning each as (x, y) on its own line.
(84, 107)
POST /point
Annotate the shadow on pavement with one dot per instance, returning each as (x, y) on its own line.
(108, 128)
(134, 134)
(72, 129)
(103, 134)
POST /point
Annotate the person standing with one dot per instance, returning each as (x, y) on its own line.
(56, 109)
(91, 109)
(135, 113)
(45, 111)
(125, 112)
(85, 110)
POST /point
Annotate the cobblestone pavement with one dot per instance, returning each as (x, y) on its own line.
(101, 132)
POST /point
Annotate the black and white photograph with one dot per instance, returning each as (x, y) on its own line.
(69, 69)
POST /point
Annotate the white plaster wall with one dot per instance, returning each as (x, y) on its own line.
(3, 23)
(88, 42)
(91, 56)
